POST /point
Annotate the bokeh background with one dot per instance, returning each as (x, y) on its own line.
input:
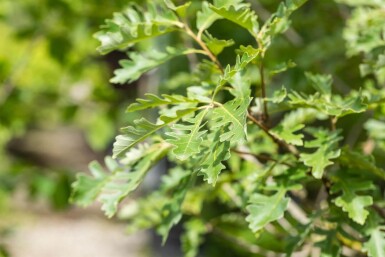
(58, 112)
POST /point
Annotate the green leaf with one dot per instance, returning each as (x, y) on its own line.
(321, 83)
(304, 231)
(330, 246)
(282, 67)
(135, 24)
(278, 22)
(152, 101)
(187, 139)
(140, 63)
(215, 45)
(143, 129)
(181, 10)
(240, 14)
(350, 201)
(110, 188)
(206, 17)
(240, 85)
(359, 161)
(375, 247)
(326, 143)
(192, 237)
(332, 106)
(265, 209)
(213, 156)
(171, 212)
(286, 133)
(249, 54)
(232, 113)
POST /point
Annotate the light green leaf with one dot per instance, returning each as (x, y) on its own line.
(110, 188)
(215, 45)
(248, 55)
(143, 129)
(135, 24)
(213, 156)
(281, 67)
(265, 209)
(286, 133)
(172, 211)
(350, 201)
(332, 106)
(233, 114)
(192, 237)
(152, 101)
(206, 17)
(326, 142)
(278, 22)
(140, 63)
(181, 10)
(321, 83)
(240, 14)
(187, 139)
(374, 229)
(375, 247)
(240, 85)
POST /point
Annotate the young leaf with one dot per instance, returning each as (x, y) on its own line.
(143, 129)
(111, 188)
(286, 133)
(375, 247)
(135, 24)
(265, 209)
(192, 237)
(240, 14)
(351, 201)
(278, 22)
(249, 54)
(326, 143)
(206, 17)
(213, 156)
(215, 45)
(181, 10)
(153, 101)
(140, 63)
(321, 83)
(232, 113)
(188, 138)
(332, 106)
(171, 212)
(374, 230)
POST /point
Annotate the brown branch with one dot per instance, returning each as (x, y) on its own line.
(204, 47)
(261, 157)
(265, 115)
(281, 143)
(379, 210)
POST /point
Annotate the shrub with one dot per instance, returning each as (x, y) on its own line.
(270, 169)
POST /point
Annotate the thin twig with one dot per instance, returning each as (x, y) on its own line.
(204, 47)
(283, 144)
(262, 157)
(333, 122)
(379, 210)
(265, 115)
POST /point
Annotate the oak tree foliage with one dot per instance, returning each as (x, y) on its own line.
(273, 170)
